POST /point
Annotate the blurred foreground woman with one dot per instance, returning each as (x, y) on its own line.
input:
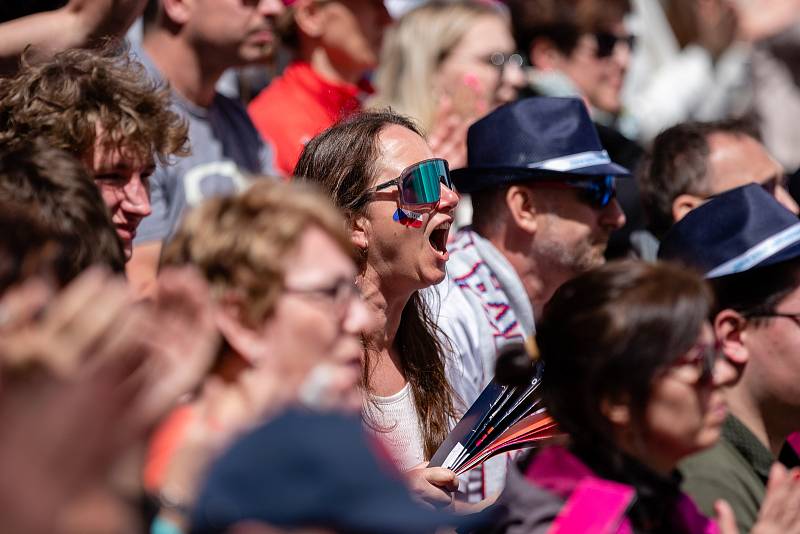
(634, 376)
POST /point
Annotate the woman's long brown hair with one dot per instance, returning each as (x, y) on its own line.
(343, 161)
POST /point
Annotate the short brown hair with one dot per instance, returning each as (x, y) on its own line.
(240, 243)
(66, 98)
(64, 200)
(677, 164)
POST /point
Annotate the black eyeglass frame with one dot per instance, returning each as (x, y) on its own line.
(793, 316)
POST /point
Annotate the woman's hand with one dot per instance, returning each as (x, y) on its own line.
(780, 509)
(726, 520)
(448, 135)
(432, 485)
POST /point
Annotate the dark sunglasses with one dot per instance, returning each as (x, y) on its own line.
(607, 42)
(419, 183)
(597, 192)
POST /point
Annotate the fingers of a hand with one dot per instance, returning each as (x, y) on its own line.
(726, 520)
(444, 109)
(74, 298)
(775, 499)
(428, 492)
(777, 476)
(439, 476)
(98, 320)
(791, 512)
(183, 291)
(131, 331)
(21, 304)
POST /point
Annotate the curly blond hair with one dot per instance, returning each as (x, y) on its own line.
(70, 97)
(241, 243)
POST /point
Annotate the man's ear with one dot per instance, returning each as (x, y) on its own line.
(359, 232)
(545, 55)
(519, 200)
(246, 341)
(683, 204)
(307, 16)
(730, 330)
(178, 11)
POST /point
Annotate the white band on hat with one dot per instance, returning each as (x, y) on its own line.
(755, 255)
(573, 161)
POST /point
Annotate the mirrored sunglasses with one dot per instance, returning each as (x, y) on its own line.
(597, 192)
(419, 183)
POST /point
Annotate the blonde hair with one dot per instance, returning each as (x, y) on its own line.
(241, 243)
(414, 49)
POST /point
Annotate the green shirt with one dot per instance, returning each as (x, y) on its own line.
(735, 469)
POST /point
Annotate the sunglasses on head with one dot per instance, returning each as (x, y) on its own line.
(597, 192)
(419, 183)
(607, 42)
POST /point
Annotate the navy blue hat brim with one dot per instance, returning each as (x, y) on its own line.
(389, 518)
(791, 252)
(471, 179)
(738, 230)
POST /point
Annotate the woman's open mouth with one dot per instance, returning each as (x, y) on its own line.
(438, 238)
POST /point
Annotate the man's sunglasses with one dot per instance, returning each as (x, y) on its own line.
(607, 42)
(419, 183)
(597, 192)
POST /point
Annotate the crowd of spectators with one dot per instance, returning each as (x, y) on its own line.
(259, 257)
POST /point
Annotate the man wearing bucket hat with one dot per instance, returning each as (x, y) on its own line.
(748, 246)
(543, 192)
(692, 161)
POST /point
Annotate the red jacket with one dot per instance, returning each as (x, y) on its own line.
(298, 105)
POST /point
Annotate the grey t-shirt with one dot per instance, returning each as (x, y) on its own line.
(226, 148)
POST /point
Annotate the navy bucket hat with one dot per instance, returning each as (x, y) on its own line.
(539, 137)
(736, 231)
(305, 469)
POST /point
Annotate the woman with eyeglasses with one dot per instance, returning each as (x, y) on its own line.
(447, 64)
(399, 201)
(634, 376)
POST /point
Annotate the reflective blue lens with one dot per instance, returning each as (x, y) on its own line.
(419, 183)
(598, 192)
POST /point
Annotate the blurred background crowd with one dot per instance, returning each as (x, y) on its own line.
(258, 258)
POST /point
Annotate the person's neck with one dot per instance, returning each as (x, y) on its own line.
(767, 421)
(188, 72)
(517, 250)
(663, 466)
(322, 64)
(386, 305)
(652, 458)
